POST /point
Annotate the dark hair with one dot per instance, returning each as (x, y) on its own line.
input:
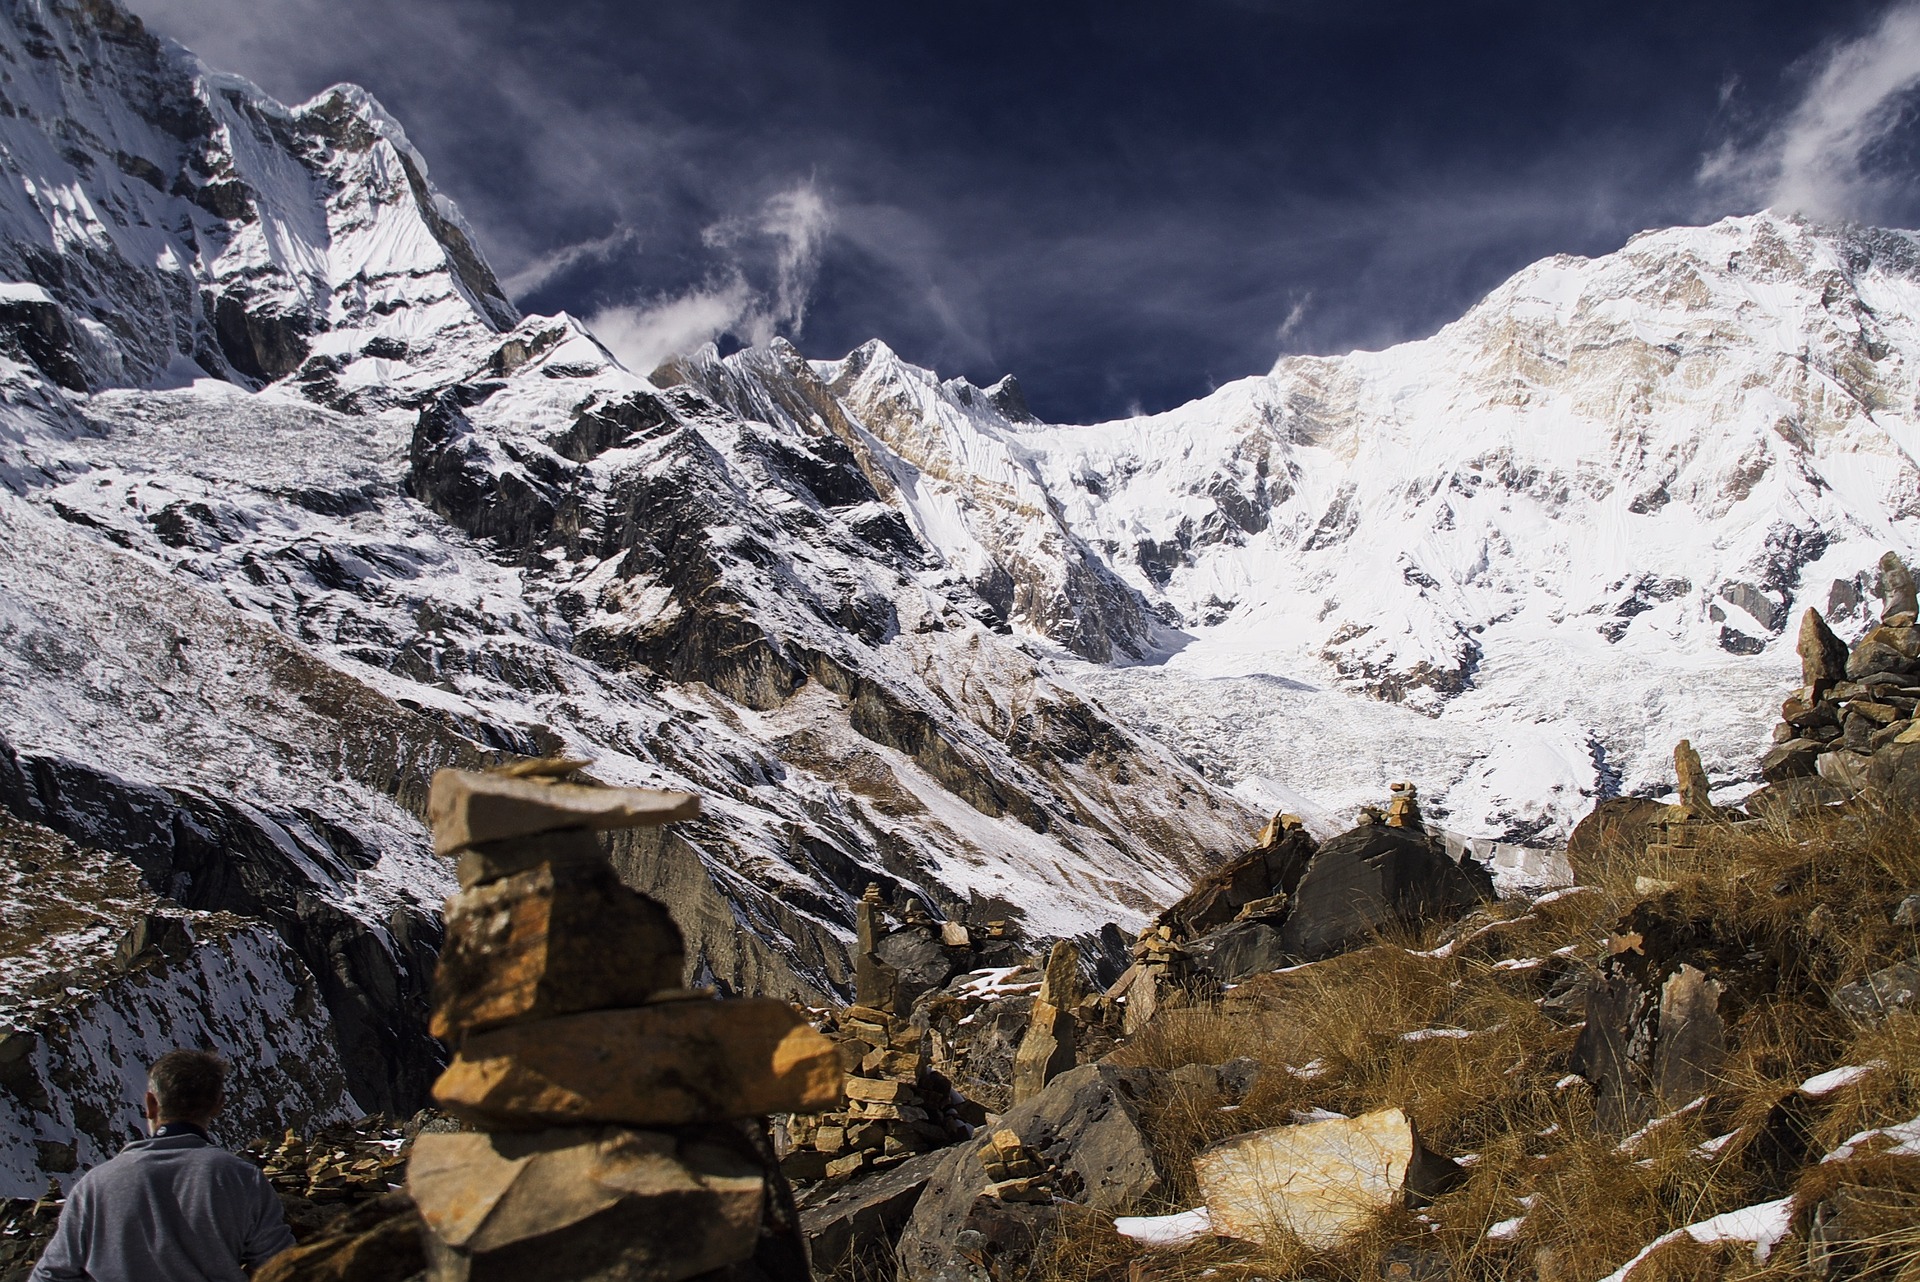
(188, 1084)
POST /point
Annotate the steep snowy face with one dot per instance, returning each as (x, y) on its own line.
(418, 531)
(1566, 531)
(947, 456)
(156, 217)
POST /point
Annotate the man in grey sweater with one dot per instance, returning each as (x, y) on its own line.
(171, 1208)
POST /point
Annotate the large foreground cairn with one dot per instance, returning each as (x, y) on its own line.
(622, 1130)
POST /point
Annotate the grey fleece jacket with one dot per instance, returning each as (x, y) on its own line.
(173, 1208)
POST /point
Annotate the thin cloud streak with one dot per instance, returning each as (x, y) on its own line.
(790, 231)
(1816, 162)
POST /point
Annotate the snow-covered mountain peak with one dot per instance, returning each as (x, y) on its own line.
(181, 221)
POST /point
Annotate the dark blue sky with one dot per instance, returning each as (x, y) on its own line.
(1123, 203)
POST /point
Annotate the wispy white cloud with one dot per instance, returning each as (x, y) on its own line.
(781, 242)
(551, 264)
(1817, 160)
(1295, 314)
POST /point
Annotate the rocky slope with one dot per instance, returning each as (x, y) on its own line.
(297, 509)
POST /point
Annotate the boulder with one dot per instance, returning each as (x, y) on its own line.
(467, 807)
(858, 1223)
(551, 941)
(574, 1204)
(1794, 759)
(1823, 656)
(1880, 994)
(1617, 827)
(1882, 650)
(1372, 878)
(1242, 949)
(1320, 1182)
(665, 1064)
(1892, 777)
(1691, 1048)
(1273, 869)
(1896, 586)
(1792, 798)
(378, 1241)
(1047, 1050)
(1089, 1122)
(920, 963)
(1695, 791)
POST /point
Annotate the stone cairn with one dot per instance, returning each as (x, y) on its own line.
(1160, 970)
(896, 1104)
(1851, 705)
(1048, 1048)
(1403, 806)
(1017, 1172)
(621, 1130)
(1680, 826)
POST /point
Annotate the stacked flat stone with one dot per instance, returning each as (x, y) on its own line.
(621, 1116)
(1159, 969)
(1015, 1171)
(1403, 807)
(1851, 704)
(896, 1104)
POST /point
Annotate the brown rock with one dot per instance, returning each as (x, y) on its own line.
(1618, 829)
(1691, 1047)
(1045, 1052)
(583, 1204)
(1321, 1182)
(1823, 656)
(879, 1090)
(377, 1241)
(662, 1065)
(551, 941)
(1694, 789)
(1896, 587)
(466, 807)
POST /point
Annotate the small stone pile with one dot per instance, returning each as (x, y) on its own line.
(1851, 705)
(622, 1129)
(1680, 826)
(1016, 1172)
(1160, 968)
(1403, 806)
(342, 1163)
(896, 1104)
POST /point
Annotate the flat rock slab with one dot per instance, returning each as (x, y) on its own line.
(666, 1064)
(1320, 1182)
(467, 807)
(579, 1204)
(1089, 1121)
(862, 1219)
(551, 941)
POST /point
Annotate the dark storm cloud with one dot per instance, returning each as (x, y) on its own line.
(1124, 203)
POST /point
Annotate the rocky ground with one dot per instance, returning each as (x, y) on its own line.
(1335, 1059)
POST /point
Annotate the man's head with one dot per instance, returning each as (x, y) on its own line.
(186, 1086)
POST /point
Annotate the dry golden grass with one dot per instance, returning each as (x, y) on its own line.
(1812, 902)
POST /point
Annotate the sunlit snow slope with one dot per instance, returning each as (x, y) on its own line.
(1569, 529)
